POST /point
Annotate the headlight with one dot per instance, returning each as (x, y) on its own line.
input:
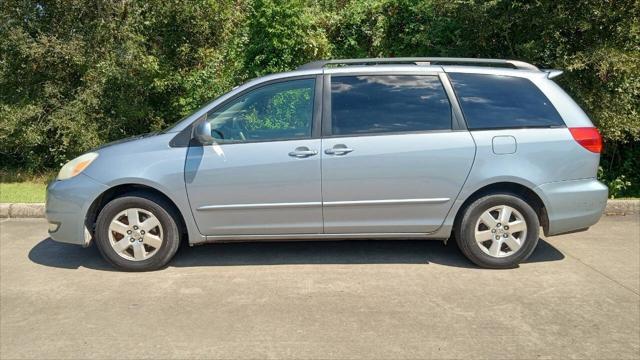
(75, 166)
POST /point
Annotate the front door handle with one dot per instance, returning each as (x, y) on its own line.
(303, 152)
(339, 149)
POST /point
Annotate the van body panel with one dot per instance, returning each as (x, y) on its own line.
(392, 185)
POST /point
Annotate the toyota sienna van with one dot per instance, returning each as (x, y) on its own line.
(486, 152)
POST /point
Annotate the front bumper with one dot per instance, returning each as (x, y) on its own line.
(67, 204)
(573, 205)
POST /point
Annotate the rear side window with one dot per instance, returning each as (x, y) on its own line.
(499, 102)
(388, 104)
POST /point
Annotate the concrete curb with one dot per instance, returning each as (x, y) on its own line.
(20, 210)
(623, 207)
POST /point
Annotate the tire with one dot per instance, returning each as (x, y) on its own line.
(515, 245)
(128, 246)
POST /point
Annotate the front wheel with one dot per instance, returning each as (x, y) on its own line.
(498, 231)
(137, 232)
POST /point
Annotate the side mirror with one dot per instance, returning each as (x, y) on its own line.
(202, 133)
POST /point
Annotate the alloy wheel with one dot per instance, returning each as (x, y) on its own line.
(500, 231)
(135, 234)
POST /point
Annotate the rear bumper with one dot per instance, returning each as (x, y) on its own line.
(573, 205)
(67, 204)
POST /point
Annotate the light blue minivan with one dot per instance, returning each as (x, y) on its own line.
(484, 151)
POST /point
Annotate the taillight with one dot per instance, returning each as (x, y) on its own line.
(588, 137)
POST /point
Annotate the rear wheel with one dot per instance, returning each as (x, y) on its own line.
(137, 232)
(498, 231)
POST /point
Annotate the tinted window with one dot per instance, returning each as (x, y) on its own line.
(278, 111)
(385, 103)
(492, 101)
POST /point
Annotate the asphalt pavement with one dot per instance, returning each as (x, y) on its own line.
(576, 297)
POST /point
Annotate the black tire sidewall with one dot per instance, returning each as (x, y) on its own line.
(152, 204)
(466, 231)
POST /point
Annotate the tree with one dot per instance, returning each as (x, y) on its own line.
(78, 73)
(281, 36)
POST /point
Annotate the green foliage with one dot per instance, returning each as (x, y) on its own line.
(281, 36)
(22, 192)
(596, 43)
(620, 169)
(78, 73)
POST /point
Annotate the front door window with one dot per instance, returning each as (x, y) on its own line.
(280, 111)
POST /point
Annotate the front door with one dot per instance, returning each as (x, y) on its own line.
(391, 162)
(263, 174)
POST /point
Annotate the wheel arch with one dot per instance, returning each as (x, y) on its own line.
(118, 190)
(508, 187)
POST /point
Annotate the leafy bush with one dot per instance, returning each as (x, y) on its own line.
(78, 73)
(282, 36)
(619, 169)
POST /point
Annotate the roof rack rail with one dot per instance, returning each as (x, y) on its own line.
(516, 64)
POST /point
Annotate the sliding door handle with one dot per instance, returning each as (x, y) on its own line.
(338, 150)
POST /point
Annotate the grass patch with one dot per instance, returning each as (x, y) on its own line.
(23, 187)
(22, 192)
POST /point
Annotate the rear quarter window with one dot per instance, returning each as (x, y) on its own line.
(503, 102)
